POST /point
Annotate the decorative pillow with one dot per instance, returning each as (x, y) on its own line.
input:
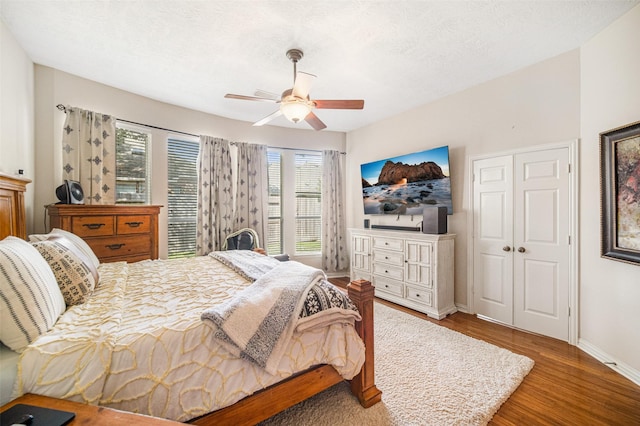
(79, 242)
(73, 274)
(30, 299)
(76, 251)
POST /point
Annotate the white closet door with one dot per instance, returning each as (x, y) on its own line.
(493, 237)
(541, 241)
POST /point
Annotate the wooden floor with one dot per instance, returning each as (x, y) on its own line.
(565, 387)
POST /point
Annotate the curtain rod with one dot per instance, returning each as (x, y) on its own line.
(63, 108)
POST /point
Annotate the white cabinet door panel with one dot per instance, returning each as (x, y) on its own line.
(493, 236)
(541, 238)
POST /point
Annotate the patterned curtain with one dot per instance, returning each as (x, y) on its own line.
(252, 189)
(215, 199)
(334, 249)
(89, 153)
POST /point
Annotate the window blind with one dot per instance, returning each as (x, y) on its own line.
(274, 225)
(182, 198)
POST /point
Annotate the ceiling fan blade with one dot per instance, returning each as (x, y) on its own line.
(339, 104)
(314, 121)
(268, 118)
(264, 94)
(249, 98)
(303, 84)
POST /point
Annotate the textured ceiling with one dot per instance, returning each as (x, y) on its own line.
(396, 55)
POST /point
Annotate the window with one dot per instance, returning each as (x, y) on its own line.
(308, 202)
(182, 197)
(132, 171)
(295, 195)
(133, 183)
(273, 244)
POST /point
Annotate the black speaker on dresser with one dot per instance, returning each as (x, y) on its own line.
(70, 192)
(434, 220)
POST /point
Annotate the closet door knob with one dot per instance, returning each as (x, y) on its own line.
(506, 248)
(521, 250)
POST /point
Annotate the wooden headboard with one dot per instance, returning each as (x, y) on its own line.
(12, 212)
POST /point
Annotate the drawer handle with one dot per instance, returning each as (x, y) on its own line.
(386, 272)
(93, 225)
(134, 224)
(115, 246)
(386, 257)
(386, 285)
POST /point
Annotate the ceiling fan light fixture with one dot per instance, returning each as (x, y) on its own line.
(295, 110)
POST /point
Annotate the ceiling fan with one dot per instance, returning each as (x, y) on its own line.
(295, 103)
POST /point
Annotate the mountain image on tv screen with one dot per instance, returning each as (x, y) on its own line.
(406, 184)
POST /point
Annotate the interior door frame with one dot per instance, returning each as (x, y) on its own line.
(574, 245)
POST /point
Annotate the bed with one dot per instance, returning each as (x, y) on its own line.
(139, 341)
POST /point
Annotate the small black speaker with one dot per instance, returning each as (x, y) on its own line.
(434, 220)
(366, 223)
(70, 192)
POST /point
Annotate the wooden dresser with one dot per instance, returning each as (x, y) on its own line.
(114, 232)
(12, 212)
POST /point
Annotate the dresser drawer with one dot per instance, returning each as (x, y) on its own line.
(387, 243)
(388, 257)
(133, 225)
(389, 271)
(93, 226)
(388, 286)
(419, 295)
(122, 246)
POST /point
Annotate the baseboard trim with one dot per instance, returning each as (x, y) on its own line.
(610, 361)
(463, 308)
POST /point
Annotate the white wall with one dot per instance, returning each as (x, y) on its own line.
(56, 87)
(609, 290)
(16, 113)
(537, 105)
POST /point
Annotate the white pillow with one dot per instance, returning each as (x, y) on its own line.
(72, 270)
(79, 242)
(30, 299)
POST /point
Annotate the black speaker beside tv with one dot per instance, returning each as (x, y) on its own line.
(434, 220)
(70, 192)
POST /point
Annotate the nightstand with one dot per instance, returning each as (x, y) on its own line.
(90, 414)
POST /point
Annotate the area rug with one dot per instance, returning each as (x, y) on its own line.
(428, 375)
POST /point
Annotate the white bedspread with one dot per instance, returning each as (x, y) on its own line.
(139, 344)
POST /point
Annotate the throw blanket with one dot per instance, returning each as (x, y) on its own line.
(325, 304)
(258, 323)
(247, 263)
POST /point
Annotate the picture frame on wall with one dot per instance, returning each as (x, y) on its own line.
(620, 193)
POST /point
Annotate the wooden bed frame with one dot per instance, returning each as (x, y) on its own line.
(280, 396)
(12, 211)
(274, 399)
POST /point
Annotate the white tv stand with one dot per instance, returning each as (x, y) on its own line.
(411, 269)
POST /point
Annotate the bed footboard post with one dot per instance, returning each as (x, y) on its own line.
(361, 293)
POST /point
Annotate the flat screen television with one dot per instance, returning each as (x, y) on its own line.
(404, 185)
